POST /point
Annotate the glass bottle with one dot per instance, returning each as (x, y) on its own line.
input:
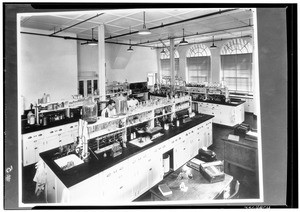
(89, 110)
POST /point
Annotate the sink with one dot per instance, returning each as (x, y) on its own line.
(68, 162)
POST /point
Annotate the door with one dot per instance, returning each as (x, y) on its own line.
(81, 87)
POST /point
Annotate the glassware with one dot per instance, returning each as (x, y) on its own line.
(89, 110)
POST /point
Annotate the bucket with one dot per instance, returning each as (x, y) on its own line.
(166, 163)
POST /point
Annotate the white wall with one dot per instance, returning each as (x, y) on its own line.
(47, 65)
(120, 64)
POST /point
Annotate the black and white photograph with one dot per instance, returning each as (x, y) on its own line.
(143, 105)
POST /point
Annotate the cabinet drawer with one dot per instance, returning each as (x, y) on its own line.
(71, 127)
(54, 131)
(33, 136)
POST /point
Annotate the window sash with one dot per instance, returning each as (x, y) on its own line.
(165, 65)
(198, 69)
(237, 71)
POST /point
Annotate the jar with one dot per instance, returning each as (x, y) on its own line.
(89, 110)
(30, 118)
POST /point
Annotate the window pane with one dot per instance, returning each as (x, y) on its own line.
(198, 69)
(237, 71)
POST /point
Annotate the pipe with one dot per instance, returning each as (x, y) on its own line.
(76, 24)
(81, 39)
(160, 40)
(173, 23)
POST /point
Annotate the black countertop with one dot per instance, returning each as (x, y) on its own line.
(88, 169)
(232, 103)
(33, 128)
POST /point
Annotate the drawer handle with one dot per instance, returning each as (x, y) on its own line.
(71, 127)
(121, 187)
(40, 134)
(35, 148)
(52, 132)
(60, 129)
(30, 137)
(150, 169)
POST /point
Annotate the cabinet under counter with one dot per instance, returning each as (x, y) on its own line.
(129, 175)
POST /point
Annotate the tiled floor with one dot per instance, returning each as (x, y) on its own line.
(248, 187)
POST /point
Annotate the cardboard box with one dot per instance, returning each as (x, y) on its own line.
(213, 171)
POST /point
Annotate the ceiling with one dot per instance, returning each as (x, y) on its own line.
(122, 25)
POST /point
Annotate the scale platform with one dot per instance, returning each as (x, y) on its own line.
(137, 142)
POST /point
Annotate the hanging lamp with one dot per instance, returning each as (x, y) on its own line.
(130, 47)
(183, 41)
(93, 42)
(213, 46)
(163, 51)
(145, 30)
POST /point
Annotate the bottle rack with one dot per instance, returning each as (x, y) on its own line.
(145, 113)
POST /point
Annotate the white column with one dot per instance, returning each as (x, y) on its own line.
(101, 62)
(172, 65)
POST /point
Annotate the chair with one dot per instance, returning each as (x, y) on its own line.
(236, 191)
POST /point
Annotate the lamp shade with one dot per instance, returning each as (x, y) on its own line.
(130, 49)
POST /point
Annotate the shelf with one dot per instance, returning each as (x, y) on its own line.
(104, 132)
(130, 125)
(49, 111)
(163, 115)
(182, 109)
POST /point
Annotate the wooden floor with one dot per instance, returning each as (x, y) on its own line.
(248, 188)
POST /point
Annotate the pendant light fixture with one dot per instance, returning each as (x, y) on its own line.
(145, 30)
(93, 42)
(130, 47)
(163, 51)
(183, 41)
(213, 46)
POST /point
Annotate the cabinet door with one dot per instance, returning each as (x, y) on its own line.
(65, 138)
(123, 184)
(135, 175)
(193, 146)
(33, 144)
(29, 152)
(155, 169)
(143, 174)
(50, 186)
(180, 153)
(52, 142)
(209, 137)
(109, 187)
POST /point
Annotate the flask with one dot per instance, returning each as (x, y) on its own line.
(89, 110)
(30, 118)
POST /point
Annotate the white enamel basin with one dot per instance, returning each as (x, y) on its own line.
(68, 161)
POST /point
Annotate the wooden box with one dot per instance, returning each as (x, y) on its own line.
(213, 171)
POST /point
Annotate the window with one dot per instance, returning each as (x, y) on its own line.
(165, 64)
(236, 65)
(198, 63)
